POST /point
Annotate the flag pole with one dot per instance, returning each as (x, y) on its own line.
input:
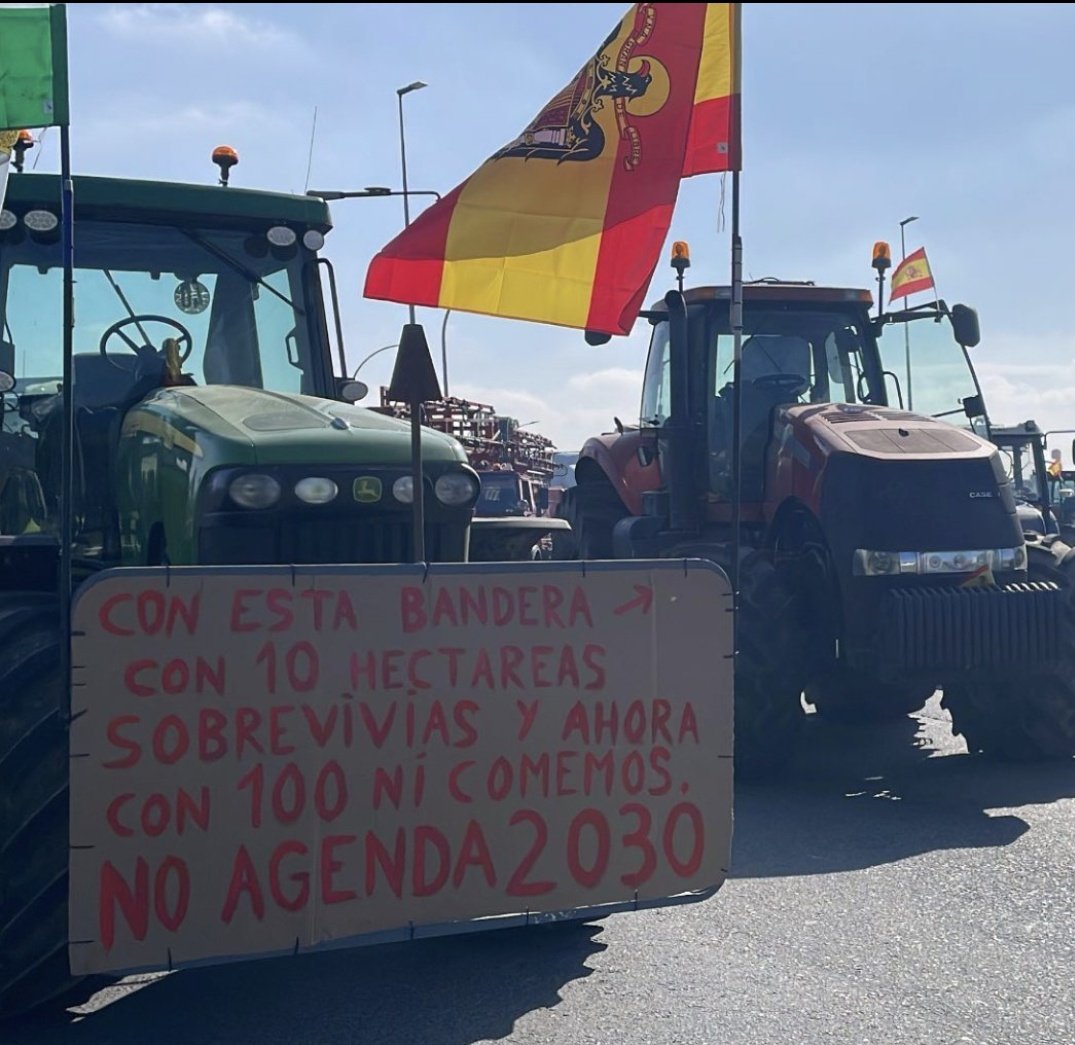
(62, 119)
(736, 323)
(906, 326)
(67, 448)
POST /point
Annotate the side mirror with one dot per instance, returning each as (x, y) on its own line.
(7, 382)
(974, 406)
(1073, 449)
(965, 326)
(352, 391)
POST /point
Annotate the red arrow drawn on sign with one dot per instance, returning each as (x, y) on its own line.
(643, 599)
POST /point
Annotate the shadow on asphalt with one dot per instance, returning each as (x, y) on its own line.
(453, 990)
(858, 796)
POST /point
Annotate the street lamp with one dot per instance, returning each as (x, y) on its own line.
(903, 241)
(400, 92)
(907, 326)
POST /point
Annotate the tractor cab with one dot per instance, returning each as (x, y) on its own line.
(1022, 453)
(208, 426)
(815, 383)
(190, 303)
(801, 345)
(1062, 490)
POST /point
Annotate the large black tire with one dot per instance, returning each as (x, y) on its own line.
(593, 509)
(1027, 716)
(565, 545)
(846, 695)
(33, 805)
(770, 670)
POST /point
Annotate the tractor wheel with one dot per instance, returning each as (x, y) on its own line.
(845, 695)
(33, 805)
(769, 670)
(1029, 716)
(593, 513)
(565, 545)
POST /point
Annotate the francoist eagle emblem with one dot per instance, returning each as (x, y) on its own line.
(567, 129)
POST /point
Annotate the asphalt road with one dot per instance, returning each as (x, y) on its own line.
(891, 890)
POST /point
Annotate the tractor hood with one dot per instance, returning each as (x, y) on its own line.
(251, 426)
(884, 433)
(888, 479)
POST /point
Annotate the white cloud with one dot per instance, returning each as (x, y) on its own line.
(613, 380)
(1044, 393)
(191, 24)
(143, 117)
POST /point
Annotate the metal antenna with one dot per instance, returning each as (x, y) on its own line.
(310, 158)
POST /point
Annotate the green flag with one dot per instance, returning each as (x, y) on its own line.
(33, 66)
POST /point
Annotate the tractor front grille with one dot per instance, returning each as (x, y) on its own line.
(353, 540)
(300, 539)
(963, 629)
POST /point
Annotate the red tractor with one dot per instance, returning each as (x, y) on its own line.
(880, 557)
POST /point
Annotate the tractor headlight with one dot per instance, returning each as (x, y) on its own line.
(889, 564)
(254, 491)
(955, 562)
(40, 220)
(455, 489)
(281, 236)
(315, 490)
(403, 489)
(1011, 558)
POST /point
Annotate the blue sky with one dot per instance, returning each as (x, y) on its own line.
(855, 116)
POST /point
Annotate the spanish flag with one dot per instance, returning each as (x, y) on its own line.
(911, 275)
(566, 222)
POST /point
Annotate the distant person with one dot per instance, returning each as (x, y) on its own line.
(1056, 465)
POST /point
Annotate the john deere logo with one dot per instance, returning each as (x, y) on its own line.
(367, 489)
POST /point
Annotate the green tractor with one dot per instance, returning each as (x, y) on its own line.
(210, 428)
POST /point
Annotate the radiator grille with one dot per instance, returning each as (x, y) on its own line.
(960, 629)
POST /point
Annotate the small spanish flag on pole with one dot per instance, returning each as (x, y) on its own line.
(566, 222)
(911, 276)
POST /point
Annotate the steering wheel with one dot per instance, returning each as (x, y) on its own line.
(185, 341)
(785, 384)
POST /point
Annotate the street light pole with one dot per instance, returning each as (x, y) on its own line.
(907, 326)
(413, 335)
(400, 92)
(375, 352)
